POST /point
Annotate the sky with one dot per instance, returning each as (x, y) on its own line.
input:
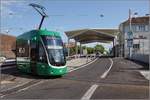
(65, 15)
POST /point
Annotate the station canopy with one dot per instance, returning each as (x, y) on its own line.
(92, 35)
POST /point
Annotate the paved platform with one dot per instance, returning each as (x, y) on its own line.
(146, 74)
(74, 63)
(143, 68)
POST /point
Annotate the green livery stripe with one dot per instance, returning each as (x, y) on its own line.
(41, 68)
(45, 69)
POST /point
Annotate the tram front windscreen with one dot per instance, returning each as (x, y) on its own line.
(55, 51)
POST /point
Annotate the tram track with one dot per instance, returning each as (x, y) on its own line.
(23, 87)
(19, 88)
(27, 85)
(30, 84)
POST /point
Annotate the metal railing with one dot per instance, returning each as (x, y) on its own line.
(8, 62)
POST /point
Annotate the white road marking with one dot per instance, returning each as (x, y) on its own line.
(107, 71)
(40, 82)
(82, 66)
(89, 92)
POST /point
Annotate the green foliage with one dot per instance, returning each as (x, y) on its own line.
(99, 48)
(72, 51)
(83, 47)
(90, 50)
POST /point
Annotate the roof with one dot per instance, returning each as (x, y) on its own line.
(47, 32)
(92, 35)
(138, 20)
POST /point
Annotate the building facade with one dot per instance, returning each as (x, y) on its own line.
(7, 44)
(140, 49)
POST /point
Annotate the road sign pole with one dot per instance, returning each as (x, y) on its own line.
(130, 26)
(68, 48)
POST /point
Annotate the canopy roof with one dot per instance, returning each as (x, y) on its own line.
(92, 35)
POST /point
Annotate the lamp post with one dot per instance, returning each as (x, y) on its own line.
(101, 16)
(130, 33)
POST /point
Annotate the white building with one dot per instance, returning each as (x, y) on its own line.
(140, 27)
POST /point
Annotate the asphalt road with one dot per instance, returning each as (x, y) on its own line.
(86, 83)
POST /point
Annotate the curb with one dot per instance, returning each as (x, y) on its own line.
(146, 74)
(8, 78)
(81, 66)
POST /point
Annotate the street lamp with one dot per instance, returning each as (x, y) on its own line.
(130, 33)
(130, 19)
(101, 16)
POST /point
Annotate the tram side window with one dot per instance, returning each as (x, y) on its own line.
(22, 49)
(42, 55)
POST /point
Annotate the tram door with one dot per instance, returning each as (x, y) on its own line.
(33, 56)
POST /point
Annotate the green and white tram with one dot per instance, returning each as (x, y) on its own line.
(41, 52)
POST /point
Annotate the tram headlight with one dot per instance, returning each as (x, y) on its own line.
(60, 70)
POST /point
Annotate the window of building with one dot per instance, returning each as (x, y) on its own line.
(141, 28)
(134, 28)
(146, 27)
(136, 46)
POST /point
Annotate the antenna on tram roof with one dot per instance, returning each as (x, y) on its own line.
(41, 10)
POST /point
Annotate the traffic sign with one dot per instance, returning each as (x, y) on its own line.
(130, 39)
(129, 42)
(130, 35)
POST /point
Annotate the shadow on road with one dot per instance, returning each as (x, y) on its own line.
(145, 66)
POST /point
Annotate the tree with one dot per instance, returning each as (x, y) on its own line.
(99, 48)
(72, 50)
(90, 50)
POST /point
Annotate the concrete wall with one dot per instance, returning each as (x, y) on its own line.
(141, 57)
(7, 43)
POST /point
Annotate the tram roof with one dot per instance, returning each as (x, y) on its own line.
(33, 33)
(92, 35)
